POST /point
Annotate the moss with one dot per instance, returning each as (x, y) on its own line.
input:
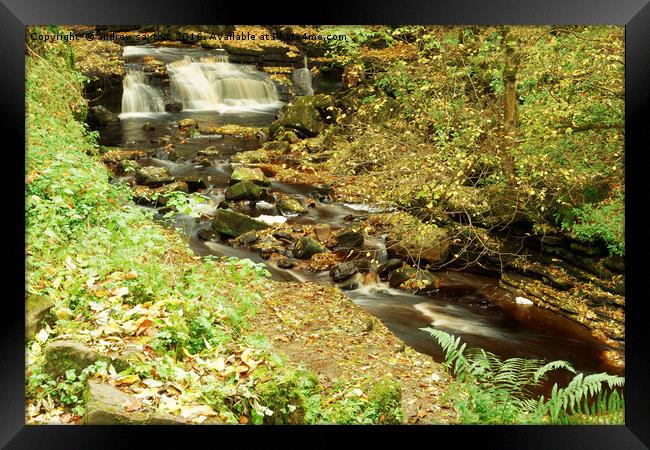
(285, 396)
(386, 396)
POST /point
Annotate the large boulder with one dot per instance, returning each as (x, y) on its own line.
(410, 239)
(38, 312)
(253, 174)
(107, 405)
(153, 176)
(244, 190)
(233, 224)
(103, 116)
(306, 247)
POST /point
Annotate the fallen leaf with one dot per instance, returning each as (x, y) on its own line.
(144, 325)
(131, 275)
(127, 379)
(132, 404)
(119, 292)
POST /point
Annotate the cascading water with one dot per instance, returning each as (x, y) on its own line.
(214, 84)
(302, 80)
(139, 96)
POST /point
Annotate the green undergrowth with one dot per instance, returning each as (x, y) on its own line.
(133, 291)
(489, 390)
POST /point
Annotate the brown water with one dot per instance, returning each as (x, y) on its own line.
(467, 305)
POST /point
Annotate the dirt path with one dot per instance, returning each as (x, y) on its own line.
(339, 340)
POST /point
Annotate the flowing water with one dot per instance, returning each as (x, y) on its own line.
(217, 92)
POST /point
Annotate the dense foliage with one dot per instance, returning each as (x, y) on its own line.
(436, 95)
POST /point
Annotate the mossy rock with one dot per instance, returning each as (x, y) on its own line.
(301, 115)
(63, 355)
(350, 238)
(233, 224)
(153, 176)
(38, 312)
(413, 280)
(244, 190)
(284, 395)
(253, 174)
(210, 152)
(306, 247)
(251, 157)
(104, 405)
(290, 205)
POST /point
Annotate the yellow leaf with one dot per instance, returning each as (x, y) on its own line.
(127, 379)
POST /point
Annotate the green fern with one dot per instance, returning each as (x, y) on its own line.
(490, 390)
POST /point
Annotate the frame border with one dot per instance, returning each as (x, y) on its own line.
(634, 14)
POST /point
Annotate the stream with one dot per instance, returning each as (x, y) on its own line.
(216, 93)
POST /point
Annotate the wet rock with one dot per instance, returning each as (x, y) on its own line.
(284, 236)
(350, 238)
(208, 234)
(188, 124)
(103, 116)
(343, 271)
(413, 280)
(210, 152)
(353, 283)
(230, 223)
(194, 183)
(267, 247)
(290, 206)
(143, 195)
(117, 155)
(148, 127)
(251, 157)
(202, 161)
(173, 106)
(277, 146)
(322, 231)
(306, 247)
(244, 190)
(153, 176)
(287, 263)
(321, 193)
(106, 405)
(248, 238)
(389, 266)
(38, 312)
(249, 174)
(128, 166)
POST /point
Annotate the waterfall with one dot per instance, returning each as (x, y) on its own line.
(214, 84)
(302, 80)
(139, 96)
